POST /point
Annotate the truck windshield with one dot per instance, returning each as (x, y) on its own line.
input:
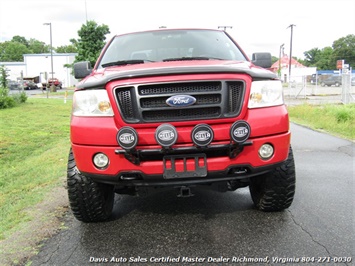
(170, 45)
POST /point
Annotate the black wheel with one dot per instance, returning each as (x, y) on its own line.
(337, 84)
(274, 191)
(322, 84)
(89, 201)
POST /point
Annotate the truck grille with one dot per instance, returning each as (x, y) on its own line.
(147, 103)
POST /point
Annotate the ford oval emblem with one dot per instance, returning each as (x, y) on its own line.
(180, 101)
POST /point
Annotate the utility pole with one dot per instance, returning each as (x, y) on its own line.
(50, 32)
(225, 27)
(289, 65)
(279, 71)
(86, 12)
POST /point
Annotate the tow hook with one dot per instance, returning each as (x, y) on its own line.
(185, 192)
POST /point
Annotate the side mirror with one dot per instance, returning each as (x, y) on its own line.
(82, 69)
(262, 60)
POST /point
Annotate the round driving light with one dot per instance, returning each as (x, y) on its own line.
(266, 151)
(127, 138)
(166, 135)
(240, 131)
(202, 135)
(101, 160)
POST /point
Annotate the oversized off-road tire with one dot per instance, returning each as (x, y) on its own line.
(275, 190)
(89, 201)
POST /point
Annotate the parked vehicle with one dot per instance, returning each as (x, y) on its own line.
(13, 85)
(177, 109)
(54, 81)
(332, 80)
(29, 85)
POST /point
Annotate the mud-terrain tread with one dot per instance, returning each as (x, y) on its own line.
(274, 191)
(89, 201)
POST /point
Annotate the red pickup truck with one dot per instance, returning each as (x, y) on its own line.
(54, 81)
(177, 109)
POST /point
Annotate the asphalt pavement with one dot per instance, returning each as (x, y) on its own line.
(224, 228)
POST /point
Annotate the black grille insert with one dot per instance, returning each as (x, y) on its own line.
(147, 103)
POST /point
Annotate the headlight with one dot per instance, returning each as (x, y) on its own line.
(91, 103)
(265, 93)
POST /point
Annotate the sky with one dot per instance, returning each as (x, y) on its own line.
(257, 25)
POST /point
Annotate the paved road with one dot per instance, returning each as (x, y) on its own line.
(216, 227)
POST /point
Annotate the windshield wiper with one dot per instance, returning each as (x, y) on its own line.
(191, 58)
(124, 62)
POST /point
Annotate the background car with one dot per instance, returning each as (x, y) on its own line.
(29, 85)
(13, 85)
(332, 80)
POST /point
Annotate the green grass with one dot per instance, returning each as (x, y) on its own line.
(338, 120)
(34, 145)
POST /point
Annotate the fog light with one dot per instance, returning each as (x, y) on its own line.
(266, 151)
(166, 135)
(202, 135)
(240, 131)
(101, 160)
(127, 138)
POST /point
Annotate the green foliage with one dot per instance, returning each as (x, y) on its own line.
(38, 47)
(20, 97)
(91, 41)
(6, 100)
(311, 57)
(344, 49)
(12, 51)
(20, 39)
(336, 119)
(3, 77)
(9, 101)
(66, 49)
(323, 59)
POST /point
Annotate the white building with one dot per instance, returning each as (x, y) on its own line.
(14, 69)
(39, 65)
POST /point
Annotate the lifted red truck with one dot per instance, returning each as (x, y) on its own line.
(177, 109)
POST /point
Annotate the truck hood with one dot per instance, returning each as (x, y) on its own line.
(100, 77)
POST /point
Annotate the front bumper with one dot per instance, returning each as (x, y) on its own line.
(150, 173)
(90, 136)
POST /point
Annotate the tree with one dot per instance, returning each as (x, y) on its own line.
(66, 49)
(311, 57)
(3, 77)
(91, 41)
(322, 59)
(20, 39)
(325, 59)
(38, 47)
(12, 51)
(344, 49)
